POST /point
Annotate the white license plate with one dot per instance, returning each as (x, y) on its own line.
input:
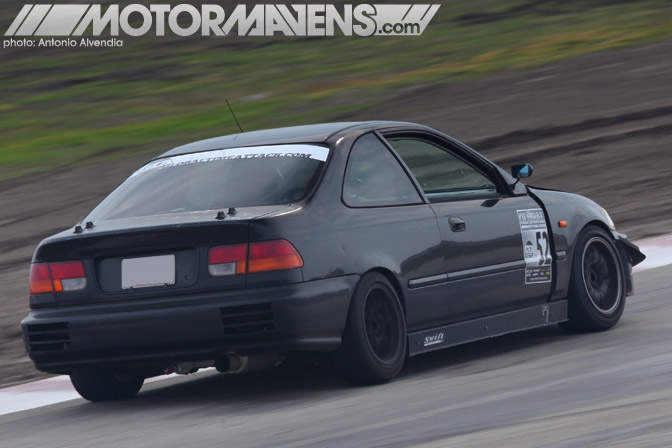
(147, 271)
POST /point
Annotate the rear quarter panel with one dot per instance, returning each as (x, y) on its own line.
(335, 240)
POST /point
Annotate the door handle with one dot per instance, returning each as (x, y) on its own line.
(457, 224)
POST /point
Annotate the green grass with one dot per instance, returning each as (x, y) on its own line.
(61, 106)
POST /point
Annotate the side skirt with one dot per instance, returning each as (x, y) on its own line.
(487, 327)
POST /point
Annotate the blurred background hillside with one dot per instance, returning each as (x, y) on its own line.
(59, 106)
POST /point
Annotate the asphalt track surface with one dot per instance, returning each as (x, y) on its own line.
(538, 388)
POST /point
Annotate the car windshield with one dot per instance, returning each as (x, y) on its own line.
(216, 180)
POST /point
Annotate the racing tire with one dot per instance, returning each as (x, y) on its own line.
(103, 385)
(597, 286)
(373, 348)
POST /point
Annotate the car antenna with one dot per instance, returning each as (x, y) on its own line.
(234, 115)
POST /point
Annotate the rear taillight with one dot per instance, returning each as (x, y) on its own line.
(256, 257)
(40, 279)
(57, 277)
(227, 260)
(273, 256)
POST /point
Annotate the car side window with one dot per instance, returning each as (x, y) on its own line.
(374, 177)
(442, 175)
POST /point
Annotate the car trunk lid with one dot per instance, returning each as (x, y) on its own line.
(171, 249)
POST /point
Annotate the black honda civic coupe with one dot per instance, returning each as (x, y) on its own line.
(373, 241)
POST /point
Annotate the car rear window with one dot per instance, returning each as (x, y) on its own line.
(216, 180)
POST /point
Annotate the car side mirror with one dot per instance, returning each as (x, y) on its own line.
(522, 171)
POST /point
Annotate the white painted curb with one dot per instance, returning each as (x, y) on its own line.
(658, 251)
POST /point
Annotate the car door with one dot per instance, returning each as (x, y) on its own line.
(495, 245)
(386, 223)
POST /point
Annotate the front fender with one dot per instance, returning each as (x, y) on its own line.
(577, 212)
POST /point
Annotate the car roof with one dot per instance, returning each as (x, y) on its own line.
(312, 133)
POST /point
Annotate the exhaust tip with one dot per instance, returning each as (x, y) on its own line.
(223, 364)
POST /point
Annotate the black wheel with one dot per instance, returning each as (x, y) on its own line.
(103, 385)
(374, 340)
(597, 286)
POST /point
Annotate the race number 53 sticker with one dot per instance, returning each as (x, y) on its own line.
(536, 245)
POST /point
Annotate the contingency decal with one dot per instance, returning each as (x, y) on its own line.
(436, 338)
(296, 151)
(536, 245)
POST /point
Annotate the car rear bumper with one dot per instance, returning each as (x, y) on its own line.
(307, 316)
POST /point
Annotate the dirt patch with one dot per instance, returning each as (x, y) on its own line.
(599, 125)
